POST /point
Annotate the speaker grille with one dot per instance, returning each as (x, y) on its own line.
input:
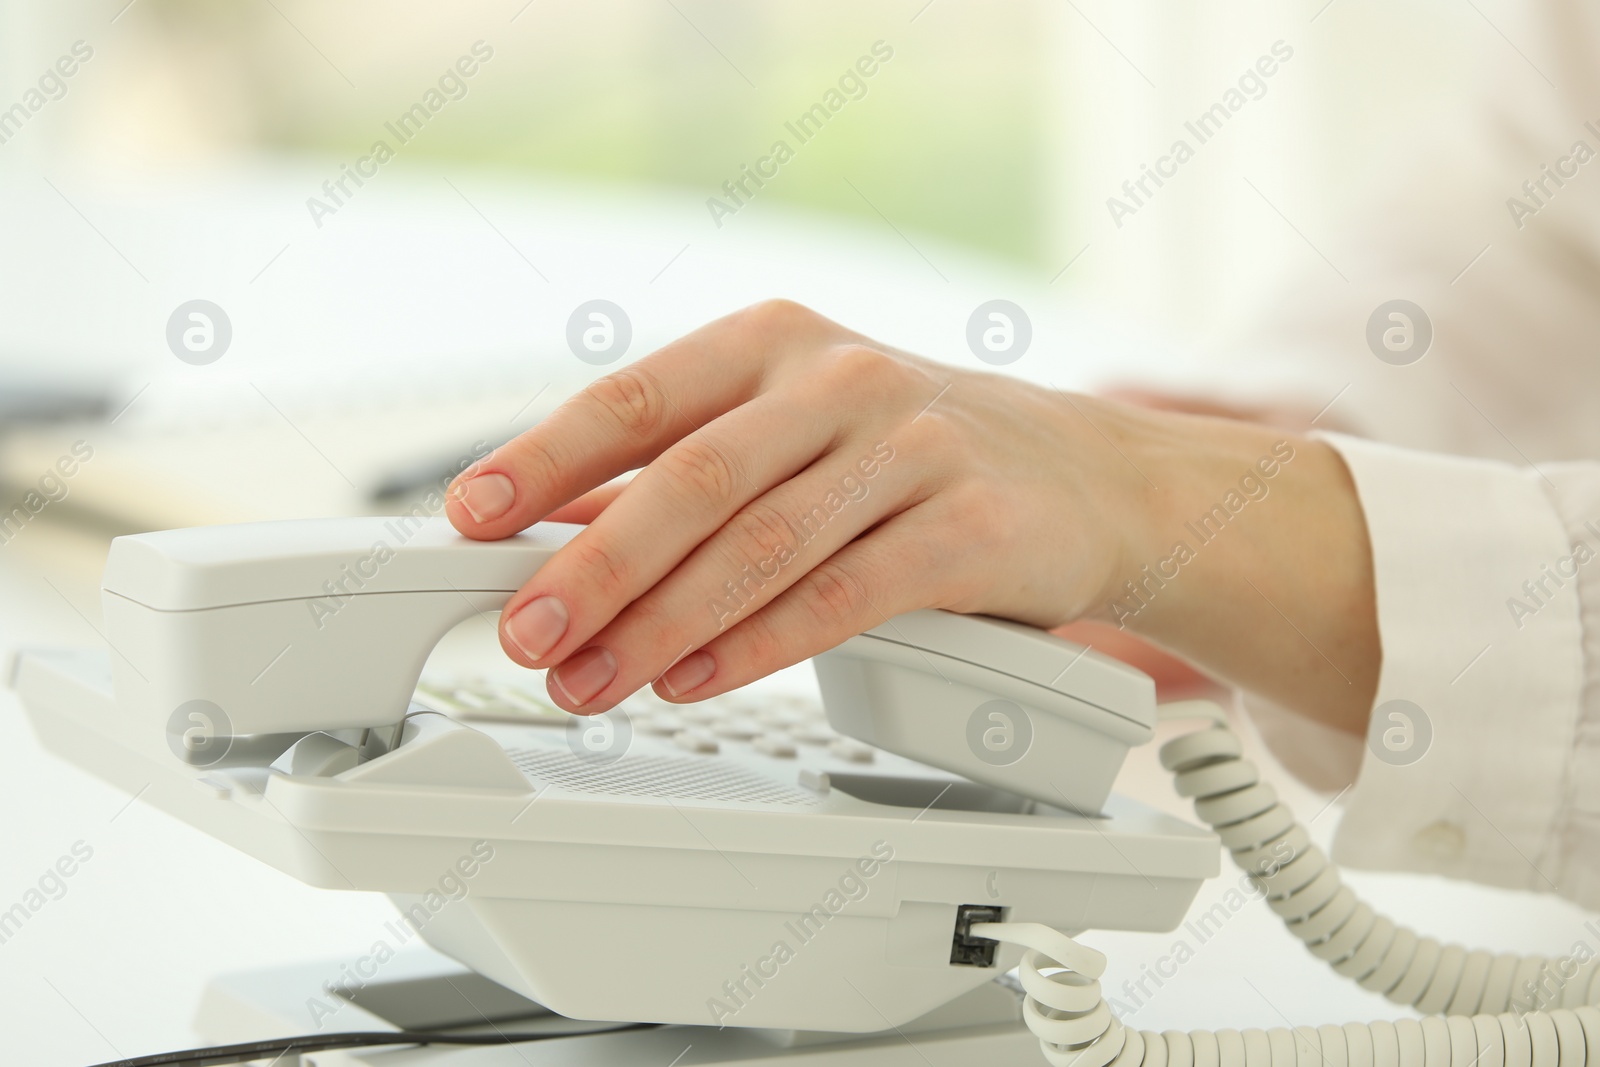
(660, 777)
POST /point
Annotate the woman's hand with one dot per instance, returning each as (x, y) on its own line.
(799, 483)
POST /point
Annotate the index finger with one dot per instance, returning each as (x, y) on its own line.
(619, 423)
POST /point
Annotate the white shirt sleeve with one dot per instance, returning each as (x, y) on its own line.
(1488, 598)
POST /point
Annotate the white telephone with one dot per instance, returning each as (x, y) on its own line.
(752, 869)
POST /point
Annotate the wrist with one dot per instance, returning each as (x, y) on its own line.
(1198, 477)
(1250, 557)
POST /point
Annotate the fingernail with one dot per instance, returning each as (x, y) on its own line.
(688, 673)
(585, 674)
(536, 626)
(486, 496)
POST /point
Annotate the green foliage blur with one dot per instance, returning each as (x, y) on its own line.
(950, 139)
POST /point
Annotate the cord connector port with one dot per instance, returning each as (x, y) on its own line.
(969, 951)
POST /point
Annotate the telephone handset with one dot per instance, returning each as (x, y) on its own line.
(287, 628)
(299, 626)
(748, 871)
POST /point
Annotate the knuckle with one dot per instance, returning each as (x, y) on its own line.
(972, 506)
(650, 624)
(868, 371)
(940, 441)
(602, 565)
(762, 527)
(634, 399)
(777, 313)
(833, 595)
(861, 361)
(973, 512)
(534, 462)
(701, 468)
(761, 639)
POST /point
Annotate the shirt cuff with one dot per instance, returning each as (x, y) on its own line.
(1464, 770)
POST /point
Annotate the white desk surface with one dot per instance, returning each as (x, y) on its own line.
(115, 966)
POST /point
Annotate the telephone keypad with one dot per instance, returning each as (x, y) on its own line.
(776, 726)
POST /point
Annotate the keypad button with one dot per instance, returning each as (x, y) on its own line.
(702, 714)
(780, 716)
(737, 729)
(696, 741)
(664, 723)
(849, 749)
(531, 706)
(775, 745)
(494, 703)
(815, 734)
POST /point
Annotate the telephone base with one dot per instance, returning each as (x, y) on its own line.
(700, 876)
(423, 989)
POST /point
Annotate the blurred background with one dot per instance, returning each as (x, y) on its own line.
(1000, 128)
(216, 152)
(369, 320)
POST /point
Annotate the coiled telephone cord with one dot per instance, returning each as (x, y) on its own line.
(1482, 1009)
